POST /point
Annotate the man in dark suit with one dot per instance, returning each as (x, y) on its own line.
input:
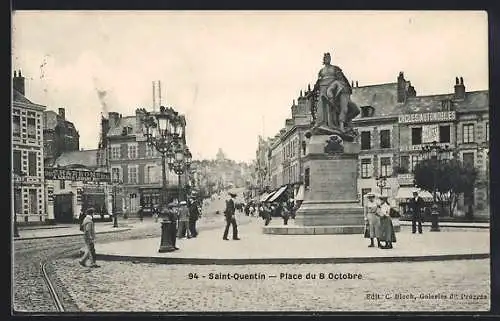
(416, 206)
(230, 219)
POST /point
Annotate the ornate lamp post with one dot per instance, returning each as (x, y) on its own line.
(116, 183)
(164, 130)
(381, 183)
(435, 152)
(179, 161)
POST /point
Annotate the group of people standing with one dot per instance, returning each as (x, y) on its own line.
(378, 222)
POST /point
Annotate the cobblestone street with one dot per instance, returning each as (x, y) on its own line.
(125, 286)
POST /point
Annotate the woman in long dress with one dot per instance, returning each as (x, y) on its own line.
(372, 220)
(386, 228)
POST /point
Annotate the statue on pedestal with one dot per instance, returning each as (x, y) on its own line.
(333, 109)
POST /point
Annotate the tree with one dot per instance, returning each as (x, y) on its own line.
(451, 178)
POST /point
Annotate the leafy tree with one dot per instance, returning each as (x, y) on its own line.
(451, 178)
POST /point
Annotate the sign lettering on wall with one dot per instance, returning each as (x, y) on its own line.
(76, 175)
(441, 116)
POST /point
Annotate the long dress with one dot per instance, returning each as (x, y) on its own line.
(373, 219)
(387, 233)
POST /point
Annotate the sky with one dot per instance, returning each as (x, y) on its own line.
(234, 74)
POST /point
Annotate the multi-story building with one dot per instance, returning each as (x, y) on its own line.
(136, 164)
(27, 150)
(59, 135)
(395, 124)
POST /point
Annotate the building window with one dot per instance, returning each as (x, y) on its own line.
(444, 134)
(487, 132)
(149, 151)
(468, 130)
(32, 164)
(416, 136)
(404, 164)
(115, 152)
(306, 178)
(115, 174)
(17, 162)
(365, 140)
(366, 168)
(16, 126)
(385, 138)
(468, 159)
(415, 159)
(151, 174)
(31, 127)
(132, 175)
(385, 167)
(33, 204)
(62, 184)
(132, 151)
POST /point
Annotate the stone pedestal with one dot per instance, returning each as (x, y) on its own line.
(331, 204)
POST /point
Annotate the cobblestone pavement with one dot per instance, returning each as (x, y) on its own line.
(30, 293)
(425, 286)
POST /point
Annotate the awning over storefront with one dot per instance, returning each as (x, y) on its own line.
(405, 193)
(265, 196)
(277, 194)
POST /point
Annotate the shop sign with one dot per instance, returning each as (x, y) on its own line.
(93, 190)
(406, 179)
(76, 175)
(442, 116)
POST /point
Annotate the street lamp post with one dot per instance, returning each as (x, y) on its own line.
(21, 176)
(179, 161)
(381, 183)
(164, 130)
(435, 152)
(115, 183)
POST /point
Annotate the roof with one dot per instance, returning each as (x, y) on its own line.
(474, 100)
(129, 121)
(87, 158)
(18, 97)
(382, 97)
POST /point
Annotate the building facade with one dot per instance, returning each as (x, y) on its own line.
(59, 135)
(27, 150)
(136, 165)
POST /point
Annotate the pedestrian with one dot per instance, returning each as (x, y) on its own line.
(416, 206)
(194, 215)
(170, 212)
(156, 213)
(89, 239)
(285, 212)
(141, 213)
(372, 220)
(387, 233)
(268, 209)
(229, 213)
(183, 229)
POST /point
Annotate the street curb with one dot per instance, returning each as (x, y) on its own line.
(65, 235)
(332, 260)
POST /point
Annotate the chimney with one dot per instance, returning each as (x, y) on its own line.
(357, 84)
(459, 88)
(401, 86)
(113, 119)
(411, 90)
(62, 113)
(18, 82)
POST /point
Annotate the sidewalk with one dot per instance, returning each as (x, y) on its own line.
(258, 248)
(451, 224)
(68, 230)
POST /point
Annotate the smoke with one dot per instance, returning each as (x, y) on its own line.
(103, 97)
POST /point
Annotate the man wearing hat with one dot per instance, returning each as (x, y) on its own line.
(183, 220)
(416, 205)
(230, 219)
(89, 238)
(372, 220)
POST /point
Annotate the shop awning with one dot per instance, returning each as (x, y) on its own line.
(405, 193)
(265, 196)
(277, 194)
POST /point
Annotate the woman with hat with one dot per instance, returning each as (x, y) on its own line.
(372, 220)
(386, 228)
